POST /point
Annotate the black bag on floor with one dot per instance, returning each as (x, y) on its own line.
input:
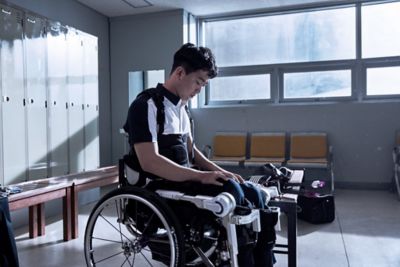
(315, 208)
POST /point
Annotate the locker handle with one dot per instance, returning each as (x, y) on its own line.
(24, 102)
(55, 103)
(6, 98)
(6, 11)
(72, 104)
(31, 100)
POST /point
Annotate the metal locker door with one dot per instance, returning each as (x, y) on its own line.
(35, 61)
(57, 100)
(12, 87)
(75, 109)
(91, 100)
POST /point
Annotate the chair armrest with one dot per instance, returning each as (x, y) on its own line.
(330, 155)
(396, 154)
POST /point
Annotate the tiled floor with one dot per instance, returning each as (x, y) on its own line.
(366, 232)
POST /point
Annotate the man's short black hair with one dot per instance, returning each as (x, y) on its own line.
(193, 58)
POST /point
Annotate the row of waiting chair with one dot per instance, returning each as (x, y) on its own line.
(306, 150)
(309, 149)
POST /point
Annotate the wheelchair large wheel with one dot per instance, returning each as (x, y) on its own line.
(133, 227)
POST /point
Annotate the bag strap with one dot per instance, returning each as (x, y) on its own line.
(192, 131)
(158, 99)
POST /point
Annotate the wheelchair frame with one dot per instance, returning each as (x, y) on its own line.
(222, 206)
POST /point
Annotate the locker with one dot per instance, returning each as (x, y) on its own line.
(91, 105)
(35, 62)
(75, 93)
(13, 141)
(49, 108)
(57, 99)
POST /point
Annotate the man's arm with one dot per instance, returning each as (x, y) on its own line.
(151, 161)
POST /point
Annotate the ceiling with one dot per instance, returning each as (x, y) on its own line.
(115, 8)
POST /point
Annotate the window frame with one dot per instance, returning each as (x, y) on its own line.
(358, 66)
(313, 67)
(240, 71)
(379, 63)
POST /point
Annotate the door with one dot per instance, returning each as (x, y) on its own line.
(91, 102)
(13, 141)
(75, 108)
(35, 61)
(57, 99)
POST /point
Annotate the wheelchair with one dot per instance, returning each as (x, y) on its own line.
(133, 226)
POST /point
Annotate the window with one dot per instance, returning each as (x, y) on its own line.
(383, 81)
(245, 87)
(317, 52)
(298, 37)
(317, 84)
(380, 30)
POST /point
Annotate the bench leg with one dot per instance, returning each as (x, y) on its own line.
(74, 213)
(41, 219)
(37, 223)
(67, 214)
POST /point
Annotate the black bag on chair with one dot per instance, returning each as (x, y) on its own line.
(315, 208)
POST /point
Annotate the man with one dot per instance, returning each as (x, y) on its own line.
(162, 143)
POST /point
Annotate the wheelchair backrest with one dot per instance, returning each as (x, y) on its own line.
(127, 174)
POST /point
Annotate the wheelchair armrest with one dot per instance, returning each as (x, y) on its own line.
(253, 218)
(221, 205)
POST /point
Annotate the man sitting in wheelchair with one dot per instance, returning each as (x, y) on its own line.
(162, 153)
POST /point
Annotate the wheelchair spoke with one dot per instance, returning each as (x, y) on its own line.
(127, 260)
(119, 217)
(148, 223)
(108, 240)
(114, 227)
(109, 257)
(146, 259)
(147, 234)
(157, 253)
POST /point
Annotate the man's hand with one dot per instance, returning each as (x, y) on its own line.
(234, 176)
(214, 177)
(218, 177)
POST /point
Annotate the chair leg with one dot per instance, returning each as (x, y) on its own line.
(330, 169)
(396, 178)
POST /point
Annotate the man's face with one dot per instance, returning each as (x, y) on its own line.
(191, 84)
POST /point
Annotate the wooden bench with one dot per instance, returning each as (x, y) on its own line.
(36, 193)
